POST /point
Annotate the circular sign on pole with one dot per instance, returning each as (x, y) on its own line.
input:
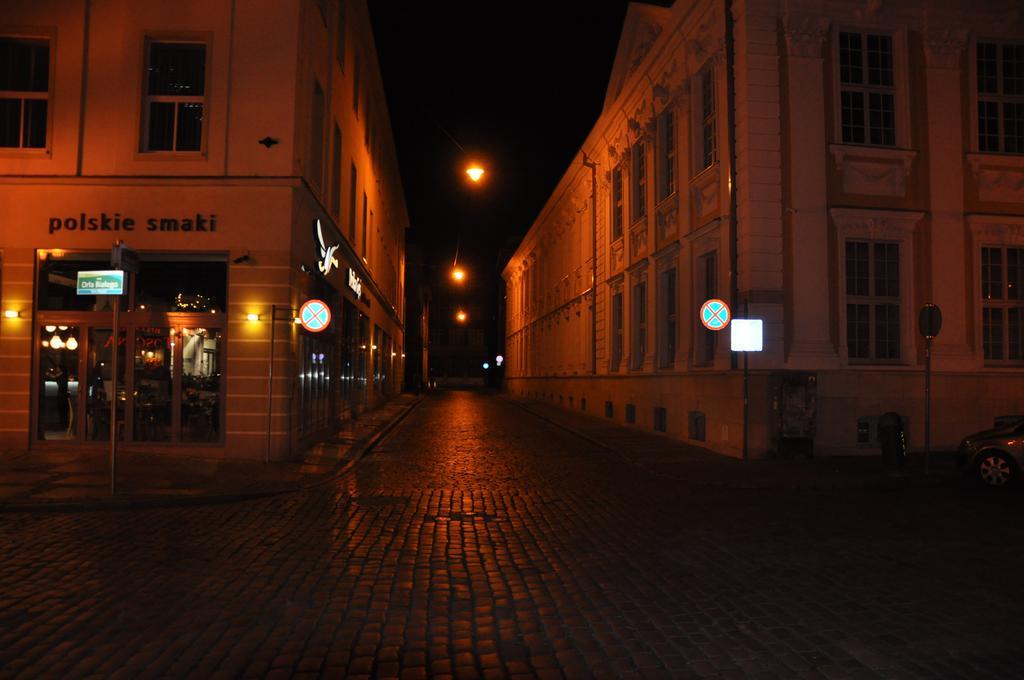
(315, 315)
(714, 314)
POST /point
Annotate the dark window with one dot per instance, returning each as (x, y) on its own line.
(1000, 92)
(708, 286)
(867, 96)
(355, 85)
(175, 100)
(639, 330)
(352, 205)
(362, 243)
(667, 318)
(631, 413)
(638, 199)
(336, 173)
(660, 419)
(1002, 274)
(666, 154)
(609, 409)
(340, 38)
(617, 203)
(24, 93)
(616, 357)
(872, 300)
(316, 137)
(171, 283)
(708, 125)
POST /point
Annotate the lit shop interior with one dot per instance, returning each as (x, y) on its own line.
(169, 387)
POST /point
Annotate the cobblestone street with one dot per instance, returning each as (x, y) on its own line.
(480, 541)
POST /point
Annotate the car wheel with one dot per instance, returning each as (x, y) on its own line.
(995, 469)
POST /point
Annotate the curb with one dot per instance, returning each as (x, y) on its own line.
(360, 449)
(880, 483)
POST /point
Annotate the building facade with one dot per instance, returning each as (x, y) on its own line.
(244, 151)
(828, 167)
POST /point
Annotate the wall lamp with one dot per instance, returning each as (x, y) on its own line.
(252, 317)
(12, 314)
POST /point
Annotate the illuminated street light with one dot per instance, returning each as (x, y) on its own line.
(458, 274)
(475, 172)
(461, 316)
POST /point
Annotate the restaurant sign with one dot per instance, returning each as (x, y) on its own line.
(108, 282)
(355, 283)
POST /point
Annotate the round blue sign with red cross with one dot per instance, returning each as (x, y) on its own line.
(314, 315)
(714, 314)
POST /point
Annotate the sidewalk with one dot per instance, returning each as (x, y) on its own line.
(74, 480)
(667, 457)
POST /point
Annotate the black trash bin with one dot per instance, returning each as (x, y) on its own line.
(893, 439)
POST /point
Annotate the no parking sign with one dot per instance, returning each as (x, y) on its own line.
(714, 314)
(315, 315)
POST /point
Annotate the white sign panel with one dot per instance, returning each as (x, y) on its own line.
(747, 335)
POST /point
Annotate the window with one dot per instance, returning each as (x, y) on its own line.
(367, 124)
(638, 198)
(355, 85)
(667, 318)
(616, 355)
(617, 203)
(1002, 304)
(339, 44)
(708, 286)
(362, 243)
(872, 300)
(639, 334)
(666, 154)
(708, 125)
(867, 93)
(336, 173)
(175, 103)
(24, 93)
(316, 137)
(352, 206)
(1000, 97)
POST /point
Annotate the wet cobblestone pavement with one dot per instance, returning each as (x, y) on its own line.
(480, 541)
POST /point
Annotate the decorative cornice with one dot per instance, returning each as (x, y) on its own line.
(943, 47)
(805, 35)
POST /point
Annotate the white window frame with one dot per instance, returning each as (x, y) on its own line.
(872, 300)
(45, 149)
(892, 226)
(148, 99)
(900, 89)
(976, 97)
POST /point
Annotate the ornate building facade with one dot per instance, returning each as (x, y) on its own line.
(828, 167)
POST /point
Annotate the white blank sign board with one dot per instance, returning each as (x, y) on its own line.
(747, 335)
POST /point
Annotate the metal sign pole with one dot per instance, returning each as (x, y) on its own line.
(115, 338)
(927, 403)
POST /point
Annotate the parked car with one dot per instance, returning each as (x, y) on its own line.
(995, 457)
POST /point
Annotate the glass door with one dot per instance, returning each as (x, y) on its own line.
(59, 407)
(100, 386)
(153, 384)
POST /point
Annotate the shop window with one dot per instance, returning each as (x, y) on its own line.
(314, 382)
(174, 106)
(200, 384)
(58, 382)
(100, 384)
(57, 282)
(171, 284)
(24, 93)
(152, 394)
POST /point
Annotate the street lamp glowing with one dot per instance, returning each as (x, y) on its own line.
(458, 274)
(475, 172)
(460, 316)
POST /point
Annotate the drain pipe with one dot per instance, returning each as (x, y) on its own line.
(730, 79)
(593, 261)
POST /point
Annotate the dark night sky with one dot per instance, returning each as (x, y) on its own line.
(518, 84)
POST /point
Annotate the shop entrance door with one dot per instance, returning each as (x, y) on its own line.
(169, 388)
